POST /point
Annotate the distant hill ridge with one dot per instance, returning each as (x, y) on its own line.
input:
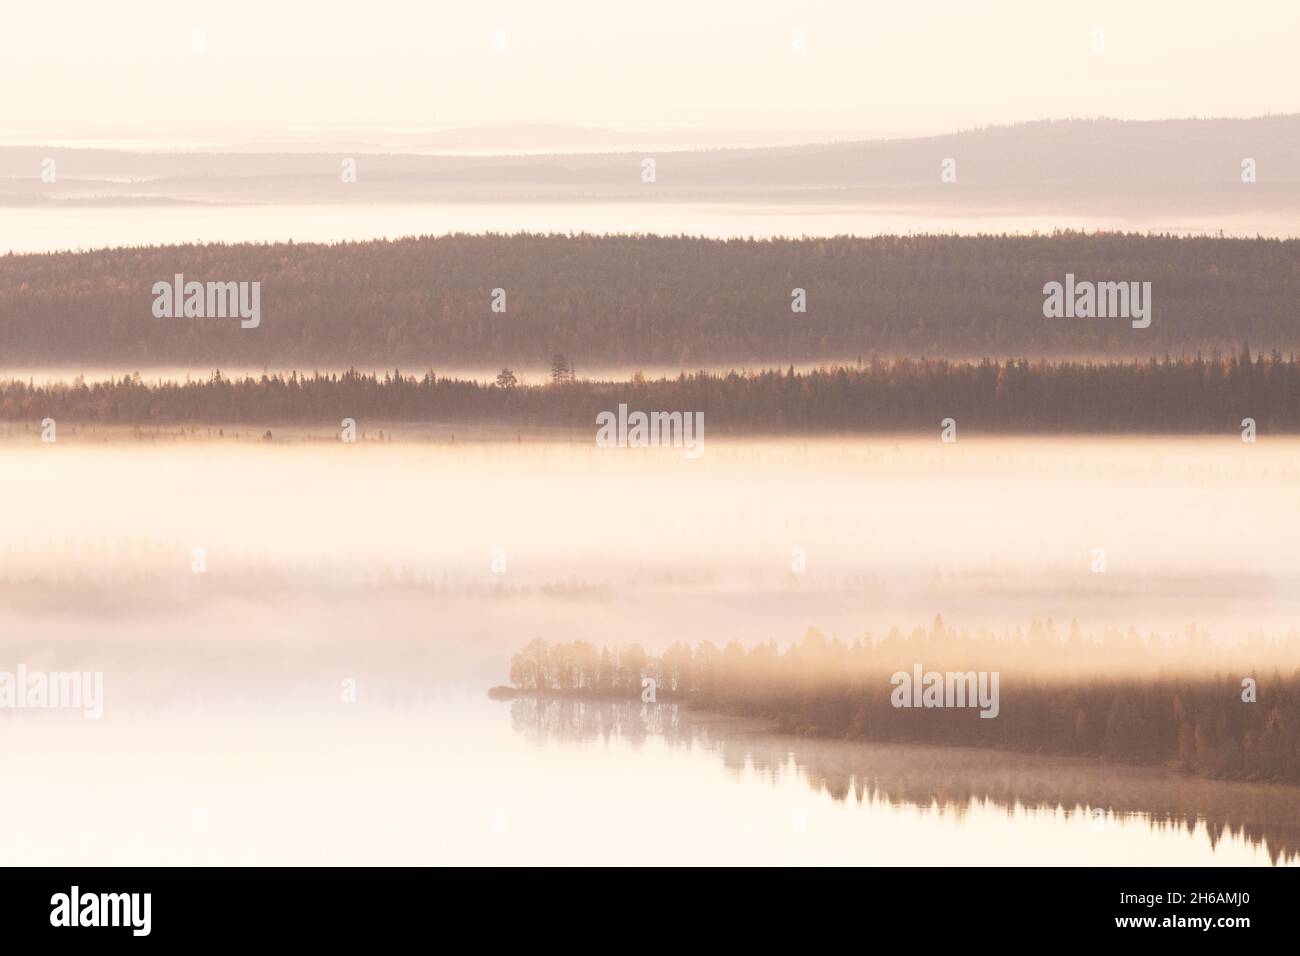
(1123, 154)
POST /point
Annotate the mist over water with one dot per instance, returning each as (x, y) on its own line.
(372, 562)
(989, 532)
(42, 229)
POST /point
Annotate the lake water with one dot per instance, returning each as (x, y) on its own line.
(227, 735)
(459, 779)
(46, 229)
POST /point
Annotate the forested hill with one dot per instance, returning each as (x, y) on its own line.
(628, 300)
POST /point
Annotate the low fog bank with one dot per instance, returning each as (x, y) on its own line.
(219, 569)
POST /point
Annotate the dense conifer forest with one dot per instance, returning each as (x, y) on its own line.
(638, 301)
(1211, 394)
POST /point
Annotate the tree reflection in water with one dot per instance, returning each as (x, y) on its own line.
(948, 778)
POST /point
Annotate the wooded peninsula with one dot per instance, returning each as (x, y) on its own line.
(1117, 698)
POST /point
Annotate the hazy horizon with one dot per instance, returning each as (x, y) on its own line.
(921, 68)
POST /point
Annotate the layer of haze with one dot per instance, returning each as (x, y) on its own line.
(381, 553)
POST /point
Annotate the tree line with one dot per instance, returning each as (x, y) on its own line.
(1212, 394)
(628, 301)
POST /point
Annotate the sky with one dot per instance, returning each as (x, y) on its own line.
(87, 68)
